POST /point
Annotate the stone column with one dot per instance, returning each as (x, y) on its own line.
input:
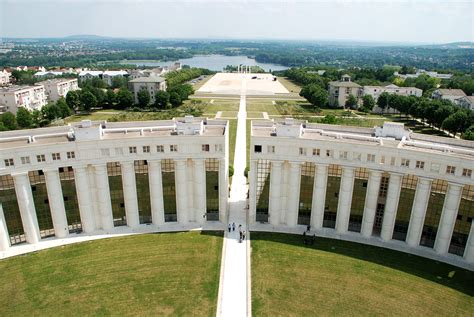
(84, 199)
(181, 192)
(103, 196)
(253, 192)
(275, 193)
(448, 218)
(4, 236)
(223, 190)
(294, 194)
(200, 190)
(418, 212)
(27, 207)
(190, 191)
(345, 199)
(156, 192)
(370, 207)
(319, 196)
(56, 203)
(391, 206)
(95, 201)
(469, 250)
(130, 193)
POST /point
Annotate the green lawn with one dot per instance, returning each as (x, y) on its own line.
(173, 274)
(232, 136)
(290, 85)
(342, 278)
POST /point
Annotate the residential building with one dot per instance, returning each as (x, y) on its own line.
(4, 77)
(423, 72)
(376, 91)
(30, 97)
(59, 87)
(448, 94)
(466, 102)
(48, 74)
(89, 74)
(108, 75)
(152, 84)
(339, 91)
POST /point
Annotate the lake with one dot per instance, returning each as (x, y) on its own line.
(212, 62)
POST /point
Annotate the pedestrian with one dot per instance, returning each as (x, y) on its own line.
(243, 235)
(240, 234)
(228, 227)
(233, 226)
(240, 226)
(308, 228)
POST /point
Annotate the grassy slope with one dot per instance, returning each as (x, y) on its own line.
(152, 274)
(341, 278)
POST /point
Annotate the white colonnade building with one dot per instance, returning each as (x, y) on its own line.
(383, 186)
(96, 176)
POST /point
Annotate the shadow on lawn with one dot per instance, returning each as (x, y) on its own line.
(437, 272)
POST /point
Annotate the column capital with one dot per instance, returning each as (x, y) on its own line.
(127, 163)
(425, 180)
(376, 173)
(199, 160)
(16, 174)
(153, 161)
(295, 164)
(348, 168)
(395, 174)
(79, 166)
(321, 165)
(50, 169)
(455, 186)
(277, 163)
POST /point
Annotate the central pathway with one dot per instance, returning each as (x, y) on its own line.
(233, 288)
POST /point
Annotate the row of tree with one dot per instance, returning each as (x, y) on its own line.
(184, 75)
(173, 97)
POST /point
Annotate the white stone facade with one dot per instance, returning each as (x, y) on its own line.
(152, 84)
(57, 88)
(80, 178)
(29, 97)
(403, 189)
(4, 77)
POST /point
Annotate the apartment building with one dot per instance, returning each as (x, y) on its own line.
(29, 97)
(152, 84)
(59, 87)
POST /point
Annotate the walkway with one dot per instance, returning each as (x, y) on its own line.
(234, 287)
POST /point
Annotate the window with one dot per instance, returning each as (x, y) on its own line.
(41, 158)
(357, 156)
(450, 169)
(160, 148)
(420, 164)
(173, 148)
(105, 152)
(328, 153)
(132, 149)
(316, 152)
(146, 149)
(271, 149)
(56, 156)
(343, 155)
(302, 151)
(382, 159)
(118, 151)
(218, 148)
(25, 160)
(405, 163)
(71, 155)
(435, 168)
(205, 147)
(370, 157)
(9, 162)
(257, 149)
(466, 172)
(392, 161)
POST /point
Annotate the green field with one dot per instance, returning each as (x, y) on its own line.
(342, 278)
(172, 274)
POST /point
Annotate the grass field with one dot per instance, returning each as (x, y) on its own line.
(232, 136)
(291, 86)
(343, 278)
(154, 274)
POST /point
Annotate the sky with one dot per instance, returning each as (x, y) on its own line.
(420, 21)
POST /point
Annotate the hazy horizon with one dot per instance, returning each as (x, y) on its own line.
(370, 21)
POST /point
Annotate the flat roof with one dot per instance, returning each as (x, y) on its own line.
(151, 79)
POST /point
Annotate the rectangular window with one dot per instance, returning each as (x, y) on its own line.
(328, 153)
(173, 148)
(466, 172)
(271, 149)
(302, 151)
(25, 160)
(218, 148)
(392, 161)
(435, 168)
(357, 156)
(450, 169)
(160, 148)
(382, 159)
(71, 155)
(9, 162)
(205, 147)
(146, 149)
(41, 158)
(132, 149)
(405, 163)
(316, 152)
(420, 164)
(344, 155)
(370, 157)
(105, 152)
(257, 149)
(56, 156)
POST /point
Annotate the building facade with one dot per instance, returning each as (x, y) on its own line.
(384, 185)
(4, 77)
(339, 91)
(96, 176)
(466, 102)
(59, 87)
(448, 94)
(29, 97)
(152, 84)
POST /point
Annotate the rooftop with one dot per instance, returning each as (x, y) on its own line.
(56, 81)
(452, 92)
(16, 88)
(344, 84)
(152, 79)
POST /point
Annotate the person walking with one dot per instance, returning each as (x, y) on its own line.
(233, 226)
(243, 235)
(228, 227)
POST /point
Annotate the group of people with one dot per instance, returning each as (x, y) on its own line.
(231, 227)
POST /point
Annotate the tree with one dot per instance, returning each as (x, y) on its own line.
(51, 112)
(469, 134)
(162, 98)
(175, 99)
(119, 82)
(455, 122)
(23, 118)
(368, 103)
(9, 120)
(351, 102)
(111, 98)
(143, 97)
(72, 100)
(124, 99)
(383, 101)
(64, 110)
(88, 101)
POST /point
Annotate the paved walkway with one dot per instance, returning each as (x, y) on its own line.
(234, 286)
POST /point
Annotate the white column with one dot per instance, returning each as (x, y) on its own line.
(418, 212)
(130, 193)
(275, 193)
(4, 236)
(190, 191)
(103, 196)
(95, 201)
(84, 199)
(345, 199)
(223, 190)
(319, 196)
(156, 192)
(294, 194)
(181, 191)
(27, 207)
(56, 203)
(200, 190)
(371, 197)
(448, 218)
(469, 250)
(391, 206)
(253, 192)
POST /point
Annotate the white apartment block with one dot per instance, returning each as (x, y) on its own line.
(424, 72)
(385, 186)
(59, 87)
(90, 74)
(108, 75)
(152, 84)
(99, 177)
(448, 94)
(339, 91)
(376, 91)
(29, 97)
(4, 77)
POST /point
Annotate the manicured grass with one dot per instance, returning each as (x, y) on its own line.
(342, 278)
(290, 85)
(232, 136)
(221, 105)
(171, 274)
(229, 114)
(255, 105)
